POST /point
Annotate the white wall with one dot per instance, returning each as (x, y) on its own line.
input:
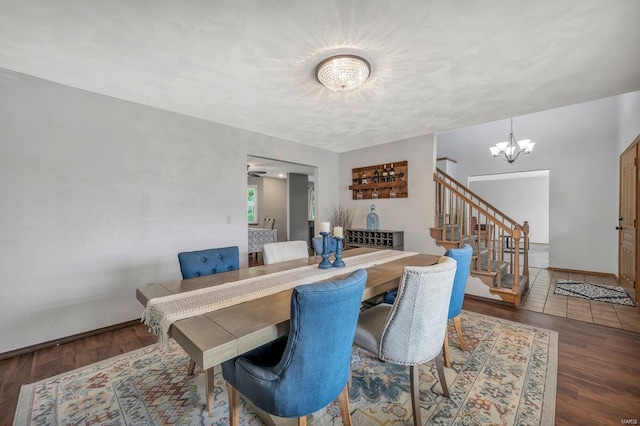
(525, 196)
(628, 119)
(413, 215)
(99, 195)
(275, 204)
(578, 144)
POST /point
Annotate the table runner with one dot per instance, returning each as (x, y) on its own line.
(161, 312)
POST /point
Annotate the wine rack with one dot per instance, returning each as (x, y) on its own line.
(390, 240)
(365, 188)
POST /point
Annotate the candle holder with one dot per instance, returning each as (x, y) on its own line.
(325, 264)
(339, 263)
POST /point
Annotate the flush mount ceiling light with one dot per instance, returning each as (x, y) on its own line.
(509, 151)
(343, 72)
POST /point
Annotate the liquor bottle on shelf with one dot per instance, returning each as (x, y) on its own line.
(385, 173)
(392, 174)
(376, 176)
(364, 178)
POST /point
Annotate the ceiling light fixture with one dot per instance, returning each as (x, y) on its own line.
(511, 150)
(343, 72)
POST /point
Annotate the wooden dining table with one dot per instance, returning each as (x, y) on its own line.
(223, 334)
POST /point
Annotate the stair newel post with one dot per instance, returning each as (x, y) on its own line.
(467, 225)
(517, 234)
(438, 199)
(525, 266)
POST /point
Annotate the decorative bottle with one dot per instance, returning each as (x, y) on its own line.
(385, 173)
(372, 219)
(364, 178)
(376, 176)
(392, 174)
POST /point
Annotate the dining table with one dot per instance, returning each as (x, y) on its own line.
(219, 335)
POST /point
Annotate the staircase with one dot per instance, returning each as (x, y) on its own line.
(463, 217)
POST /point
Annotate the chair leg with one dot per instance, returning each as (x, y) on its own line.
(443, 380)
(302, 421)
(445, 349)
(456, 322)
(234, 403)
(414, 376)
(343, 402)
(191, 367)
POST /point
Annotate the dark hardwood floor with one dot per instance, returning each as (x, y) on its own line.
(598, 367)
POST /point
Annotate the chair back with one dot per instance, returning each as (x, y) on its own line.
(206, 262)
(316, 242)
(415, 328)
(283, 251)
(462, 256)
(316, 361)
(268, 223)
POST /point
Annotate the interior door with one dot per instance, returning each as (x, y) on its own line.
(627, 227)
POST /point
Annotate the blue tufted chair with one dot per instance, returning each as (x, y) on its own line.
(316, 242)
(303, 372)
(463, 256)
(206, 262)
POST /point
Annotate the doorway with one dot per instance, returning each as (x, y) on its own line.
(283, 191)
(627, 220)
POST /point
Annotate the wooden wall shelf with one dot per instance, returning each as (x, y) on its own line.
(385, 189)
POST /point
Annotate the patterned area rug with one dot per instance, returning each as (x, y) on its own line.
(599, 292)
(507, 377)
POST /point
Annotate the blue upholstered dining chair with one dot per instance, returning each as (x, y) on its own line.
(206, 262)
(463, 256)
(304, 371)
(411, 331)
(316, 242)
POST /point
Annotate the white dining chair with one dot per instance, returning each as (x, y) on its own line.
(283, 251)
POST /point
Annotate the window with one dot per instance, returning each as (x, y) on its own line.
(252, 204)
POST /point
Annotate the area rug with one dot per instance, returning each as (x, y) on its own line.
(599, 292)
(507, 377)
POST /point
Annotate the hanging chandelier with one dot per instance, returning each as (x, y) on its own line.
(509, 151)
(343, 72)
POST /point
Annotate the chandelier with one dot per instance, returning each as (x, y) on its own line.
(511, 150)
(343, 72)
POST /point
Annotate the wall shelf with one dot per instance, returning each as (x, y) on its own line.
(397, 188)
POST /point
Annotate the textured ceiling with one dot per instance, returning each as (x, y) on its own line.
(436, 65)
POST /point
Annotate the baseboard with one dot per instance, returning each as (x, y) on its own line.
(52, 343)
(577, 271)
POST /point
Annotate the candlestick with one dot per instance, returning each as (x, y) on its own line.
(339, 263)
(325, 264)
(338, 232)
(325, 227)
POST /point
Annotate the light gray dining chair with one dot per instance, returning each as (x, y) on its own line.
(411, 331)
(283, 251)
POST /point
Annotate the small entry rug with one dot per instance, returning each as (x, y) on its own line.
(599, 292)
(507, 377)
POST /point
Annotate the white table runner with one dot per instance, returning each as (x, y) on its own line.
(161, 312)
